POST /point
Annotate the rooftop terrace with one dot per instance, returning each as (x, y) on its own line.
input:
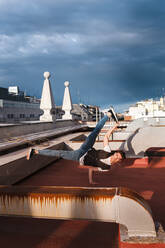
(41, 177)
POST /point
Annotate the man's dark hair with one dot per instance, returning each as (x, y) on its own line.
(122, 154)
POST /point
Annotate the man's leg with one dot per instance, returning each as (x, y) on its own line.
(90, 140)
(74, 155)
(69, 155)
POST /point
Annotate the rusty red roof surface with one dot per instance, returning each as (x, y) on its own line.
(18, 232)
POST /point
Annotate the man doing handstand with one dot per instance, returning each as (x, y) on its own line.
(86, 154)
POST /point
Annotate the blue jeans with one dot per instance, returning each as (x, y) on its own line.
(77, 154)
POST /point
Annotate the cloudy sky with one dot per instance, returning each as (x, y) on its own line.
(111, 51)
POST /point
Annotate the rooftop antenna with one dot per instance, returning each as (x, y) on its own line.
(78, 95)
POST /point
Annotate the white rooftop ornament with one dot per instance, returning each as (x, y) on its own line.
(67, 103)
(47, 100)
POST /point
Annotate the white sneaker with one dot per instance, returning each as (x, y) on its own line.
(114, 116)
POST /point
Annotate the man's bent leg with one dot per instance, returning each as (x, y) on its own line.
(69, 155)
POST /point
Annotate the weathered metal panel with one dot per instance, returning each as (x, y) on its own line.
(118, 205)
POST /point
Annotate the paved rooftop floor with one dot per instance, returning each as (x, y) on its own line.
(46, 233)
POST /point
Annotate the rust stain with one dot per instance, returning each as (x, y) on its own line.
(42, 199)
(46, 195)
(58, 193)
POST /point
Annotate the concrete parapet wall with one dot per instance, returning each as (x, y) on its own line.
(120, 135)
(12, 172)
(145, 122)
(98, 145)
(142, 139)
(32, 127)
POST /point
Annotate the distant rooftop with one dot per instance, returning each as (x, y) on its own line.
(14, 94)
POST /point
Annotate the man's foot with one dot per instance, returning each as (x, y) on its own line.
(30, 153)
(113, 114)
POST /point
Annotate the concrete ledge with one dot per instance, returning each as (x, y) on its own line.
(14, 172)
(155, 152)
(31, 139)
(32, 127)
(142, 139)
(118, 205)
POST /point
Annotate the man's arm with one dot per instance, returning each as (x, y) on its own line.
(108, 134)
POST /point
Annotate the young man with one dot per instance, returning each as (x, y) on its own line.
(86, 154)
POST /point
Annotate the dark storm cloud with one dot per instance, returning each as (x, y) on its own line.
(112, 52)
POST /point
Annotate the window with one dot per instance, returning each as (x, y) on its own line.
(10, 116)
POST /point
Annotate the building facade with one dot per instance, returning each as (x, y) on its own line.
(16, 107)
(147, 108)
(81, 112)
